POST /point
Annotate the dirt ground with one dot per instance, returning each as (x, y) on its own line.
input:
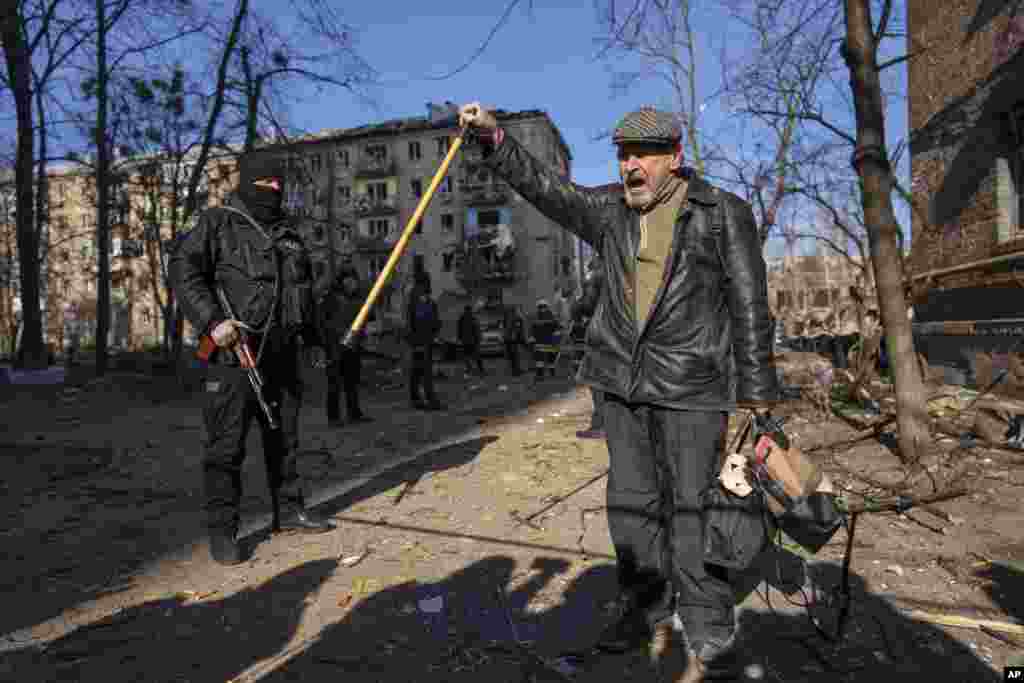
(430, 576)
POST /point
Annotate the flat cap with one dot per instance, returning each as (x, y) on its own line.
(649, 125)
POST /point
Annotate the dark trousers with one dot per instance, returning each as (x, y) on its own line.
(421, 374)
(512, 357)
(597, 418)
(544, 360)
(345, 371)
(661, 460)
(230, 406)
(471, 354)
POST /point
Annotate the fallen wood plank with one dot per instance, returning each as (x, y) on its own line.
(1001, 404)
(964, 622)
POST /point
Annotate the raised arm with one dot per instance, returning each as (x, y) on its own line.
(576, 209)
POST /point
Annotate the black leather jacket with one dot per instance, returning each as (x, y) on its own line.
(224, 248)
(707, 341)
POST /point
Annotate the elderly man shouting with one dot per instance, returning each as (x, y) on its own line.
(681, 336)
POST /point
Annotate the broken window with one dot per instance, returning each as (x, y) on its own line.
(488, 218)
(417, 187)
(377, 191)
(443, 144)
(415, 153)
(378, 153)
(447, 260)
(343, 158)
(447, 222)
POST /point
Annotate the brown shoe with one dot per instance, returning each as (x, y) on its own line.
(668, 655)
(695, 672)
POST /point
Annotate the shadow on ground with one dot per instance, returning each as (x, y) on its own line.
(173, 640)
(465, 628)
(79, 523)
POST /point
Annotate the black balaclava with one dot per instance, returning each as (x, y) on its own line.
(264, 203)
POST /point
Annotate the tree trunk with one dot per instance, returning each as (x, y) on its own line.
(215, 108)
(32, 353)
(42, 218)
(102, 192)
(872, 164)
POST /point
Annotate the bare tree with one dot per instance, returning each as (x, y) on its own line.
(782, 74)
(19, 74)
(660, 34)
(871, 159)
(273, 58)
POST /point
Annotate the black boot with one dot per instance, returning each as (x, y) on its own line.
(630, 629)
(224, 547)
(295, 517)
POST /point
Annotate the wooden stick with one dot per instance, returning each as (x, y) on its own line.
(965, 622)
(399, 248)
(903, 503)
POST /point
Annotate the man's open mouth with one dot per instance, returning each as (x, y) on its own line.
(635, 183)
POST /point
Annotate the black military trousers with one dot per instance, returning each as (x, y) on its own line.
(345, 372)
(512, 357)
(471, 356)
(421, 374)
(229, 411)
(661, 460)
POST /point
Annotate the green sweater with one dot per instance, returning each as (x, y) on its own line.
(656, 229)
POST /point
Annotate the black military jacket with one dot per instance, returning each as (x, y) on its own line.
(266, 274)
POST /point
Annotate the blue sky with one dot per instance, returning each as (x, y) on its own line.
(540, 59)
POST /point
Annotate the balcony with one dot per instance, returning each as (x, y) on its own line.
(479, 265)
(376, 167)
(374, 244)
(365, 205)
(484, 194)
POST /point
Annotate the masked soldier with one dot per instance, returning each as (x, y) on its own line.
(251, 253)
(681, 336)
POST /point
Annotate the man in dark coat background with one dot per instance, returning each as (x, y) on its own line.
(544, 331)
(513, 335)
(469, 339)
(423, 323)
(338, 309)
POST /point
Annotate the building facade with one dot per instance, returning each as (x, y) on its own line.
(353, 190)
(478, 240)
(966, 117)
(147, 197)
(811, 295)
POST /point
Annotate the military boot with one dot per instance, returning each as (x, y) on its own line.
(225, 548)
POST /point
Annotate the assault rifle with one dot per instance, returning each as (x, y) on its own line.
(207, 346)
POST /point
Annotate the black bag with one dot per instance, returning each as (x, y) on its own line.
(736, 529)
(812, 521)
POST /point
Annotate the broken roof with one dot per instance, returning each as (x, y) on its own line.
(421, 123)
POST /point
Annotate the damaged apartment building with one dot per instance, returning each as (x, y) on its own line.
(966, 116)
(479, 242)
(353, 190)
